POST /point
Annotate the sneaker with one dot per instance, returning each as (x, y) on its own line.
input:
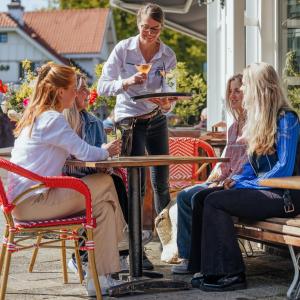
(124, 266)
(106, 282)
(72, 265)
(181, 268)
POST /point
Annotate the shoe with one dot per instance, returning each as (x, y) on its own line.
(224, 283)
(147, 264)
(197, 280)
(106, 282)
(181, 268)
(72, 265)
(124, 266)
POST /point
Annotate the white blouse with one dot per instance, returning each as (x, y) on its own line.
(45, 152)
(120, 66)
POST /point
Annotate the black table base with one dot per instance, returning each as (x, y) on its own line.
(148, 286)
(138, 284)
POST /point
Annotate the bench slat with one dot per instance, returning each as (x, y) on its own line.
(284, 229)
(291, 222)
(268, 236)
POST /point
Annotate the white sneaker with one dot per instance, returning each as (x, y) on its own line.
(181, 268)
(106, 282)
(72, 265)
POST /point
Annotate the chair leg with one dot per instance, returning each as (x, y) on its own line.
(92, 265)
(78, 261)
(6, 267)
(34, 254)
(4, 247)
(64, 260)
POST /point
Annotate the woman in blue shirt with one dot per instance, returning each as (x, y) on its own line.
(271, 130)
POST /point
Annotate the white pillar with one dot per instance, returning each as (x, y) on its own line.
(215, 63)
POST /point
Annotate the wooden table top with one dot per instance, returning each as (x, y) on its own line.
(292, 182)
(145, 161)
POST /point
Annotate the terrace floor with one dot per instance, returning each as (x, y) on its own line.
(268, 278)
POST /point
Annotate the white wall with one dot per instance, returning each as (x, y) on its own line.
(14, 51)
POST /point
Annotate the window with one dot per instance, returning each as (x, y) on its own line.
(290, 42)
(3, 37)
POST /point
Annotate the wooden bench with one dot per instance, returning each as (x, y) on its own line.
(276, 231)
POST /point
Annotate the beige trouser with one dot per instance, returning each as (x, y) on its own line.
(58, 203)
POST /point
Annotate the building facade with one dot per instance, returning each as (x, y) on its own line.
(82, 38)
(240, 32)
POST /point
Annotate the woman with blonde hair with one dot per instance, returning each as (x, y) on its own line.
(91, 130)
(272, 130)
(44, 141)
(235, 149)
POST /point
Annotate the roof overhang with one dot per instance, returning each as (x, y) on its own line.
(185, 16)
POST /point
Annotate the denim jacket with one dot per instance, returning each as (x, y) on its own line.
(279, 164)
(93, 133)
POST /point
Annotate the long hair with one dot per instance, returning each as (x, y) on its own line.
(45, 97)
(72, 114)
(263, 99)
(229, 108)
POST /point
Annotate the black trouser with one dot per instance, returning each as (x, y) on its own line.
(150, 134)
(214, 247)
(123, 200)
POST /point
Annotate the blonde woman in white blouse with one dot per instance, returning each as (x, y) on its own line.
(44, 141)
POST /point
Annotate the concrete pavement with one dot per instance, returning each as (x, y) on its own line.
(268, 278)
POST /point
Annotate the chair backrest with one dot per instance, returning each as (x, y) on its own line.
(186, 146)
(48, 181)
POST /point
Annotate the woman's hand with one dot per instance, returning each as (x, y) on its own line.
(164, 103)
(137, 78)
(213, 184)
(113, 148)
(228, 183)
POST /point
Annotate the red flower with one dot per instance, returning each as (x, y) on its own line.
(25, 102)
(93, 97)
(3, 87)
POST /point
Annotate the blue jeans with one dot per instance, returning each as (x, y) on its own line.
(185, 203)
(152, 134)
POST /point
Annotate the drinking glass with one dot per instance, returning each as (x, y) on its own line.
(145, 69)
(116, 135)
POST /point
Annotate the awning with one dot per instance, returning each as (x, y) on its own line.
(185, 16)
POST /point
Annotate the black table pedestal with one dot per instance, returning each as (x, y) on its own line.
(138, 284)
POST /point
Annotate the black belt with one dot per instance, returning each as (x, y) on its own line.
(149, 115)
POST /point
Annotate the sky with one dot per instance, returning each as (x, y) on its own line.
(29, 5)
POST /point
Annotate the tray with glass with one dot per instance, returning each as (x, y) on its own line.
(171, 96)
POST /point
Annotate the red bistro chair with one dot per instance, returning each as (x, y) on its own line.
(61, 229)
(182, 176)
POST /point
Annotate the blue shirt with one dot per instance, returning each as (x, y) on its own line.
(120, 66)
(286, 146)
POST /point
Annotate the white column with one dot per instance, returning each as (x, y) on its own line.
(215, 63)
(225, 52)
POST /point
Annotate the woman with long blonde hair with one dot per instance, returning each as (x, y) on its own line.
(236, 150)
(44, 141)
(272, 130)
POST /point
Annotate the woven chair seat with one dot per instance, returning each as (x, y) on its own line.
(53, 222)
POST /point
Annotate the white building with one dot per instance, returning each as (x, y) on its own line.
(238, 33)
(82, 38)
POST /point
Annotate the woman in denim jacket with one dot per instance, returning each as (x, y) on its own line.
(271, 130)
(91, 130)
